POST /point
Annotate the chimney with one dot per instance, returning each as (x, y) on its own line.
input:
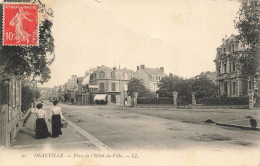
(142, 66)
(162, 69)
(170, 75)
(137, 68)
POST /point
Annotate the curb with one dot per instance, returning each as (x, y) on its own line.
(238, 126)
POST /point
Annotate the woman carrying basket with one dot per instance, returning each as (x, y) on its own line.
(41, 129)
(55, 118)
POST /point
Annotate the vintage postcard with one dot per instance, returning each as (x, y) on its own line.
(129, 82)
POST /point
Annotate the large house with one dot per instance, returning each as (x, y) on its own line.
(150, 76)
(229, 70)
(106, 85)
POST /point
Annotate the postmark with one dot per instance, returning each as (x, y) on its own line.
(20, 24)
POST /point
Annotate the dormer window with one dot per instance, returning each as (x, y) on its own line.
(113, 74)
(124, 76)
(102, 74)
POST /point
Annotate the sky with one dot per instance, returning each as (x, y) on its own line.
(179, 35)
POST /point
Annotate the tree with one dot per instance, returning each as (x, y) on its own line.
(136, 85)
(248, 27)
(27, 98)
(201, 85)
(204, 87)
(29, 62)
(168, 85)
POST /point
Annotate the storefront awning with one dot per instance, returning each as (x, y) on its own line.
(100, 97)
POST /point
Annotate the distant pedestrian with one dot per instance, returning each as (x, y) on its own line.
(41, 129)
(55, 118)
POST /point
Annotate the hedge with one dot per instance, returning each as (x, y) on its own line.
(154, 100)
(224, 101)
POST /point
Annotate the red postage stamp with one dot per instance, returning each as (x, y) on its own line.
(20, 25)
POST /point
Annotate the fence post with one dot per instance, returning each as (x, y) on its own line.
(135, 94)
(175, 95)
(251, 98)
(193, 98)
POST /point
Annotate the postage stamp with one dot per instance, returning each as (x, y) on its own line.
(20, 25)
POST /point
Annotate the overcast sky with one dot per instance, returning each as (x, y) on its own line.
(180, 35)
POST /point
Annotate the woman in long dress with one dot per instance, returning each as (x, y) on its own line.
(55, 117)
(41, 129)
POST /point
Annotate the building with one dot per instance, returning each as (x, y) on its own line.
(10, 110)
(79, 91)
(71, 87)
(109, 85)
(229, 70)
(150, 76)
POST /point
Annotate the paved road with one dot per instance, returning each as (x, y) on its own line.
(136, 130)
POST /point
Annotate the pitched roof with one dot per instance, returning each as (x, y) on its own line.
(103, 68)
(152, 71)
(125, 70)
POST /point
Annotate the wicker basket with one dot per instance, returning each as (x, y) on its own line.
(64, 124)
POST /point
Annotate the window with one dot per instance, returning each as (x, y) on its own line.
(233, 48)
(234, 87)
(229, 48)
(218, 70)
(113, 87)
(113, 74)
(159, 78)
(250, 84)
(224, 50)
(150, 77)
(234, 66)
(102, 87)
(102, 74)
(124, 75)
(225, 68)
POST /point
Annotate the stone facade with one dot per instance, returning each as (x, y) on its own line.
(150, 77)
(112, 82)
(229, 69)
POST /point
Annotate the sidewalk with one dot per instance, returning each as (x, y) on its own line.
(69, 138)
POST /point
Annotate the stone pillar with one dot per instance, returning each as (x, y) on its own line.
(193, 98)
(175, 95)
(135, 95)
(251, 98)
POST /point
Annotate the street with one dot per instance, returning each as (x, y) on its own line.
(147, 129)
(99, 134)
(125, 129)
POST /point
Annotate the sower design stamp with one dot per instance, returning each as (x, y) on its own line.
(20, 25)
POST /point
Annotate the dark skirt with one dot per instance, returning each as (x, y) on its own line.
(56, 125)
(41, 129)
